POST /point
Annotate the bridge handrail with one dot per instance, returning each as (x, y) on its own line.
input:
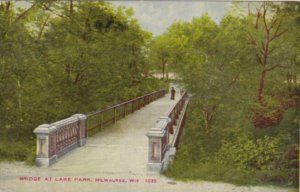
(160, 147)
(175, 111)
(183, 97)
(96, 120)
(123, 103)
(179, 129)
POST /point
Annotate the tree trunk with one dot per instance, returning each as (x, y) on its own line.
(260, 94)
(20, 100)
(71, 7)
(167, 75)
(208, 113)
(163, 68)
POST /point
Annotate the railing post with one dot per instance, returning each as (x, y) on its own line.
(57, 139)
(132, 108)
(170, 126)
(115, 115)
(82, 128)
(139, 103)
(125, 108)
(158, 145)
(101, 122)
(43, 156)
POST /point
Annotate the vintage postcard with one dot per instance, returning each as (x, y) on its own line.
(138, 96)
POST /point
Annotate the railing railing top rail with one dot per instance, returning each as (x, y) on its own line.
(183, 97)
(123, 103)
(101, 118)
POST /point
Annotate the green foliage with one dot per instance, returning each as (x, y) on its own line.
(15, 150)
(244, 153)
(243, 158)
(31, 156)
(209, 171)
(242, 112)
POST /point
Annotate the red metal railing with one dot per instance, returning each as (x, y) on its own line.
(97, 120)
(177, 117)
(163, 138)
(178, 137)
(174, 113)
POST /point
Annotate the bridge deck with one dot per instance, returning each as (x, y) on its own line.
(118, 152)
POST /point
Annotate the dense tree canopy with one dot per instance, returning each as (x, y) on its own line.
(64, 57)
(242, 75)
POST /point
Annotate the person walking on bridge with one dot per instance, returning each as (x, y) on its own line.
(173, 93)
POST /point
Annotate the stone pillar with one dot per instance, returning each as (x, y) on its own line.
(82, 128)
(43, 152)
(157, 144)
(53, 140)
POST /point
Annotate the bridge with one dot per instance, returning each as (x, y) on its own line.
(59, 138)
(120, 148)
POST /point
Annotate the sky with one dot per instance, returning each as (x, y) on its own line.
(157, 16)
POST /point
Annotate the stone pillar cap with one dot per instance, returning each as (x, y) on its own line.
(166, 118)
(159, 129)
(44, 129)
(80, 116)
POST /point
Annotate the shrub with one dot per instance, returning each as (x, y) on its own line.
(17, 151)
(245, 153)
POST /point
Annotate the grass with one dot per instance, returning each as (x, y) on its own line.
(18, 151)
(217, 173)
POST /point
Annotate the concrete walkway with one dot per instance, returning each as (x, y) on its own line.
(114, 160)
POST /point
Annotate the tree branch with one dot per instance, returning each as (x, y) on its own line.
(252, 40)
(22, 15)
(263, 46)
(43, 27)
(278, 35)
(47, 8)
(265, 19)
(277, 66)
(259, 59)
(271, 51)
(8, 5)
(257, 18)
(273, 23)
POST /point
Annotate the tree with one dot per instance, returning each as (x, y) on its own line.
(160, 48)
(268, 31)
